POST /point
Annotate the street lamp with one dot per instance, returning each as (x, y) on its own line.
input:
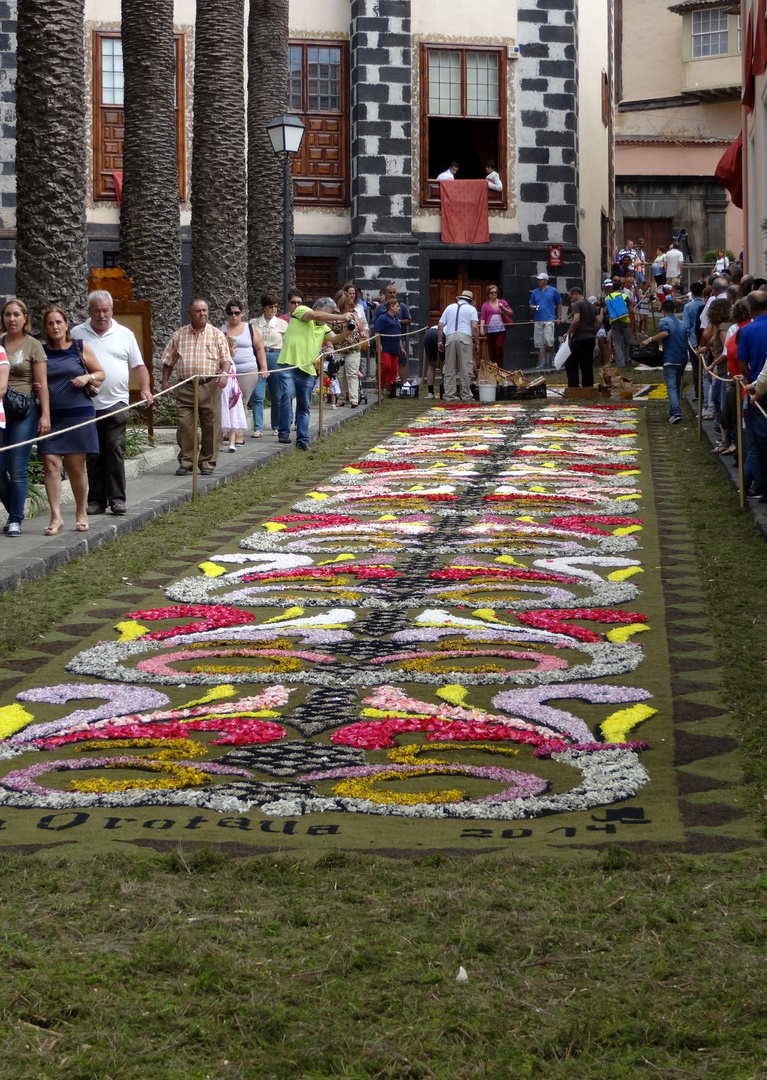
(285, 133)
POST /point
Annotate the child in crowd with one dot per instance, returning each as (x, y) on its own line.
(233, 418)
(643, 305)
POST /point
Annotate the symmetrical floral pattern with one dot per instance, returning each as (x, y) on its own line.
(488, 558)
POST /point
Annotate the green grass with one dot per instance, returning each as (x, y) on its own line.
(189, 966)
(182, 967)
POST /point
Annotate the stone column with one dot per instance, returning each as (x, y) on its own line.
(382, 246)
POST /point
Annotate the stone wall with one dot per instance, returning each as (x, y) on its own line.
(382, 247)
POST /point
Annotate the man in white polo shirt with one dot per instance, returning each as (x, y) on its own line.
(117, 351)
(458, 338)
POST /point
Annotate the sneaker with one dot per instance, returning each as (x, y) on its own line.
(674, 419)
(232, 449)
(119, 507)
(95, 508)
(284, 438)
(206, 472)
(14, 529)
(182, 470)
(430, 397)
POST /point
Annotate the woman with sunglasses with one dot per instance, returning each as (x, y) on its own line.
(494, 319)
(249, 360)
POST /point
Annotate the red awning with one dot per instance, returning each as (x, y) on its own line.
(729, 171)
(464, 211)
(117, 176)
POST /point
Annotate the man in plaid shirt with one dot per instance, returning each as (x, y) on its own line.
(198, 349)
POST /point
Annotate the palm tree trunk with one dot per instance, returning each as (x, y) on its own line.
(267, 98)
(219, 201)
(150, 245)
(52, 238)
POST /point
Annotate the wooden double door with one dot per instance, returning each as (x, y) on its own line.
(450, 279)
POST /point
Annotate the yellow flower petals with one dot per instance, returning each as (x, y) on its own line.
(338, 558)
(508, 560)
(453, 693)
(617, 726)
(290, 613)
(352, 472)
(487, 614)
(624, 573)
(274, 526)
(130, 631)
(211, 569)
(214, 694)
(627, 530)
(317, 495)
(623, 633)
(12, 719)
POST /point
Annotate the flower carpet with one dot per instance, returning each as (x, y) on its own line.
(458, 641)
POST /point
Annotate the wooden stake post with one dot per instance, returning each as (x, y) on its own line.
(195, 446)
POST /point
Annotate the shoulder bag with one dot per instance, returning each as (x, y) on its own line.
(90, 388)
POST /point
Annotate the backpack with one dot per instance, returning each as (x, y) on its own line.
(616, 306)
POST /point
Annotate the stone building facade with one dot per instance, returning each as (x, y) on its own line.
(528, 83)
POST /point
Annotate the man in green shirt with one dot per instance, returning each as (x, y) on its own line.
(307, 330)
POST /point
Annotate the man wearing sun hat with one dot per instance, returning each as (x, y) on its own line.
(458, 338)
(546, 306)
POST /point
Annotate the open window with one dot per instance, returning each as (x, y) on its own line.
(109, 113)
(463, 116)
(318, 92)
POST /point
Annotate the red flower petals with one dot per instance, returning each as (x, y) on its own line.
(464, 573)
(210, 618)
(552, 620)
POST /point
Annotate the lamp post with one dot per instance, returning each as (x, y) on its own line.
(285, 133)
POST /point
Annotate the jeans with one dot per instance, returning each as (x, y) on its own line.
(673, 373)
(695, 360)
(275, 394)
(621, 338)
(300, 383)
(106, 470)
(755, 465)
(14, 463)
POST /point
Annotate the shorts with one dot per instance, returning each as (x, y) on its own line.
(543, 335)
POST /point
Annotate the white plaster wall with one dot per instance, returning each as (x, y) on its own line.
(593, 138)
(495, 17)
(330, 17)
(652, 49)
(325, 222)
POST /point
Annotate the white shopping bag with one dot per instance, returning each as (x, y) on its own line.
(563, 354)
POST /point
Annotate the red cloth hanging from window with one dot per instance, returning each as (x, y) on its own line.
(760, 46)
(117, 176)
(729, 171)
(748, 63)
(464, 211)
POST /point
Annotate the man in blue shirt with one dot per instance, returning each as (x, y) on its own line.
(546, 306)
(390, 293)
(689, 324)
(674, 338)
(752, 352)
(387, 324)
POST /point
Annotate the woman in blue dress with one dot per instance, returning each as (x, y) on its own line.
(71, 366)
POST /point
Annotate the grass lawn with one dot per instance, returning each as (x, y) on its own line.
(141, 966)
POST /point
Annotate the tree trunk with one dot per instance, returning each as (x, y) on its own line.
(150, 245)
(52, 237)
(267, 98)
(219, 202)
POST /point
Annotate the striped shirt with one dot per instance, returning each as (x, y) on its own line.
(205, 354)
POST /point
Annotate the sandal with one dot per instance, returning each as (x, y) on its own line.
(82, 526)
(257, 435)
(54, 530)
(730, 450)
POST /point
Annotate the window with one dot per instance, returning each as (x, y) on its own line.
(109, 113)
(463, 103)
(709, 33)
(318, 78)
(606, 103)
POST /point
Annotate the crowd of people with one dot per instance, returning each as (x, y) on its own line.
(82, 373)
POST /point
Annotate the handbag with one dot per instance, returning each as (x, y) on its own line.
(17, 405)
(506, 314)
(90, 388)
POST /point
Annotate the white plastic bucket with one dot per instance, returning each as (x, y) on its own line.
(487, 391)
